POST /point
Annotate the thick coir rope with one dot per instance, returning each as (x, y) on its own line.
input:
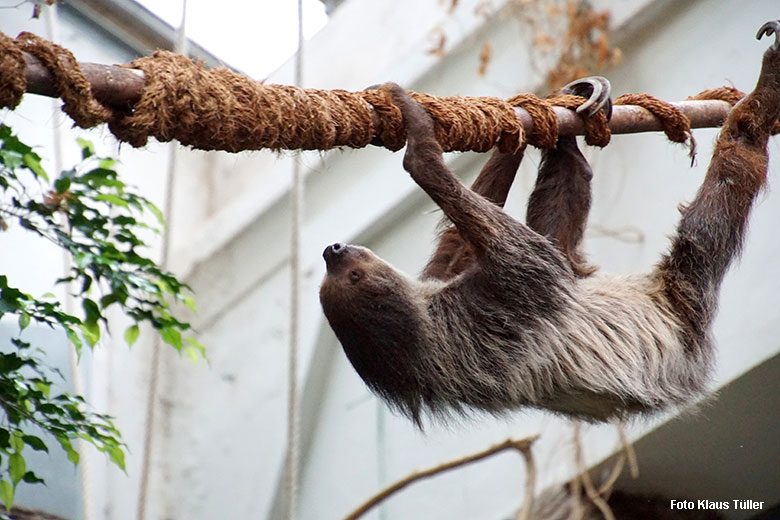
(676, 126)
(13, 81)
(596, 130)
(221, 110)
(73, 86)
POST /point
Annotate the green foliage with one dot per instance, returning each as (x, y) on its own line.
(89, 212)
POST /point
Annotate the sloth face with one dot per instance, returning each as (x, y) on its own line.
(348, 264)
(358, 279)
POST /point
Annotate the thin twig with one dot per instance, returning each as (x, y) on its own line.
(617, 469)
(584, 476)
(530, 484)
(521, 445)
(577, 509)
(628, 448)
(600, 503)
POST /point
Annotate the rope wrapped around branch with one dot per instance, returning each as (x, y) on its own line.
(219, 109)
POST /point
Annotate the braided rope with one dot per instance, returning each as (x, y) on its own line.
(676, 126)
(13, 81)
(219, 109)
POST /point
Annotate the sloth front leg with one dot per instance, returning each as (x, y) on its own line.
(550, 212)
(497, 239)
(453, 255)
(710, 233)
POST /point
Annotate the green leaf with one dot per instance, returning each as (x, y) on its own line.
(21, 345)
(117, 456)
(82, 260)
(197, 347)
(74, 338)
(131, 334)
(32, 478)
(156, 212)
(112, 199)
(189, 302)
(107, 163)
(91, 310)
(34, 164)
(10, 159)
(87, 148)
(171, 336)
(7, 494)
(73, 455)
(24, 320)
(112, 298)
(43, 387)
(10, 363)
(102, 233)
(62, 185)
(163, 286)
(17, 467)
(192, 353)
(35, 443)
(16, 442)
(91, 331)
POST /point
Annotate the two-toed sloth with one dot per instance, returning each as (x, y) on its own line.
(507, 315)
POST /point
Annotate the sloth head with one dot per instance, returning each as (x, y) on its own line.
(358, 282)
(374, 311)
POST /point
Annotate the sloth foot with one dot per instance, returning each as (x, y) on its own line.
(771, 27)
(597, 89)
(419, 124)
(769, 79)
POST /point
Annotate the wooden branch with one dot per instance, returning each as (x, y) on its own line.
(521, 445)
(120, 87)
(115, 87)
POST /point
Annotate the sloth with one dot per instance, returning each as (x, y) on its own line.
(507, 315)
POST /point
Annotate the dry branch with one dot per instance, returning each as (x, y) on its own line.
(530, 484)
(521, 445)
(584, 476)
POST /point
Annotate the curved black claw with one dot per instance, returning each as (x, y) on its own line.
(597, 89)
(771, 27)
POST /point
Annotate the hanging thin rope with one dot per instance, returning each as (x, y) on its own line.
(77, 378)
(181, 46)
(296, 207)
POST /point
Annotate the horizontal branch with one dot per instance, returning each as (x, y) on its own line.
(115, 87)
(121, 88)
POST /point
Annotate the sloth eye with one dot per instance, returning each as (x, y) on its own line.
(355, 275)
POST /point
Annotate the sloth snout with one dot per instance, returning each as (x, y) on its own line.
(334, 252)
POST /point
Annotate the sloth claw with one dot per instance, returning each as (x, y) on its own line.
(771, 27)
(597, 89)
